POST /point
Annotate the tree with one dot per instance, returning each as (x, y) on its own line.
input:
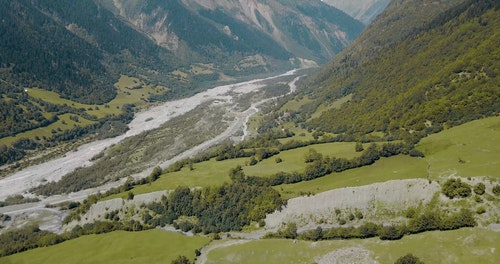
(155, 174)
(408, 259)
(130, 196)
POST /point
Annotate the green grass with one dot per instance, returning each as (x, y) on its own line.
(125, 95)
(207, 173)
(335, 105)
(152, 246)
(471, 149)
(215, 173)
(293, 160)
(385, 169)
(64, 123)
(294, 105)
(468, 245)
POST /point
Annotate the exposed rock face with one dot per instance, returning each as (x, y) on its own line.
(305, 29)
(372, 200)
(363, 10)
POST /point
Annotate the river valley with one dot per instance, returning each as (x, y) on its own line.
(232, 104)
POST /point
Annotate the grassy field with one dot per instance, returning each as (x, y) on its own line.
(130, 91)
(335, 105)
(385, 169)
(204, 174)
(152, 246)
(472, 149)
(214, 173)
(64, 123)
(293, 160)
(459, 246)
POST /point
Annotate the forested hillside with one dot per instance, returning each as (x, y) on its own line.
(102, 58)
(440, 73)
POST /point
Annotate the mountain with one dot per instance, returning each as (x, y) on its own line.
(84, 50)
(55, 46)
(363, 10)
(280, 29)
(435, 67)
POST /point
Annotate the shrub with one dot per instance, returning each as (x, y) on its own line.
(479, 188)
(455, 187)
(496, 190)
(481, 210)
(391, 233)
(408, 259)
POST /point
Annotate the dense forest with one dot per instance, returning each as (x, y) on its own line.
(440, 76)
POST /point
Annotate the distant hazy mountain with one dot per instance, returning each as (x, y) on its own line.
(363, 10)
(281, 29)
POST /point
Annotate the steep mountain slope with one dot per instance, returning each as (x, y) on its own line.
(55, 46)
(85, 51)
(439, 71)
(363, 10)
(282, 29)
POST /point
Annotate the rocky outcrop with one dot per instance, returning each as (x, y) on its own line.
(363, 10)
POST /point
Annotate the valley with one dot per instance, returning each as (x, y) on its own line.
(315, 145)
(222, 100)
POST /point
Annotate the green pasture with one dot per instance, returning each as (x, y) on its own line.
(294, 105)
(335, 105)
(293, 160)
(385, 169)
(152, 246)
(471, 149)
(131, 90)
(64, 123)
(204, 174)
(216, 173)
(468, 245)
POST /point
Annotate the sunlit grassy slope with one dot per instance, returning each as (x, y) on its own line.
(468, 245)
(152, 246)
(472, 149)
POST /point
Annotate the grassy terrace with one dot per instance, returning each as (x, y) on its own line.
(472, 149)
(469, 245)
(385, 169)
(130, 91)
(152, 246)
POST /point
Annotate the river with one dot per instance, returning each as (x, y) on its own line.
(21, 182)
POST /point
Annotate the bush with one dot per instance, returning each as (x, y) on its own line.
(455, 187)
(408, 259)
(481, 210)
(479, 188)
(496, 190)
(391, 233)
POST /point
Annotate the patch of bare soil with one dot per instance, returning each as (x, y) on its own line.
(373, 201)
(352, 255)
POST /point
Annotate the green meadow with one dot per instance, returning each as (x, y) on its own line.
(130, 91)
(385, 169)
(467, 245)
(471, 149)
(294, 159)
(215, 173)
(58, 127)
(152, 246)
